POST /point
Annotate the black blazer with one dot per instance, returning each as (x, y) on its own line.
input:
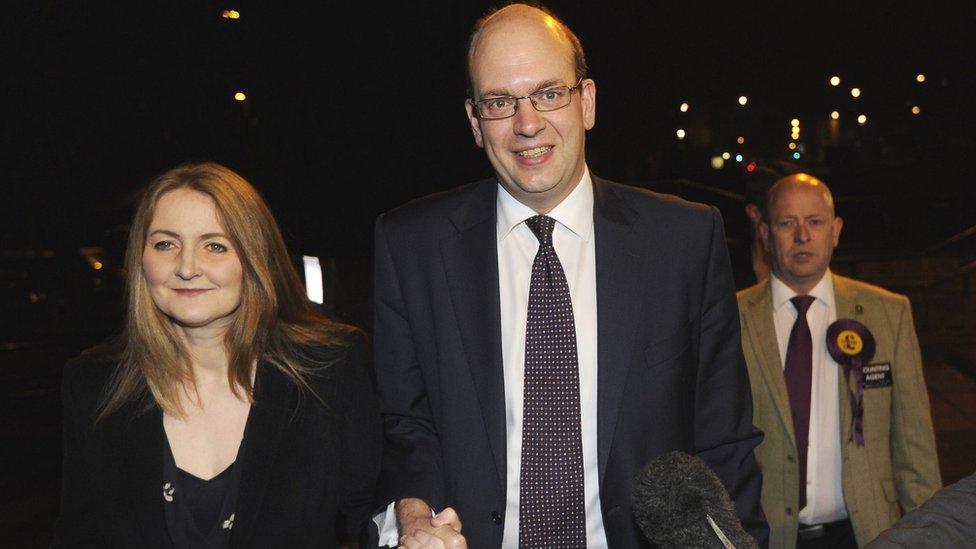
(308, 476)
(671, 373)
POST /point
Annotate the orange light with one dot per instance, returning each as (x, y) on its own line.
(240, 96)
(916, 110)
(920, 78)
(230, 14)
(855, 92)
(740, 140)
(792, 146)
(834, 115)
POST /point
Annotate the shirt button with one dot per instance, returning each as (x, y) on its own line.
(789, 511)
(790, 459)
(496, 518)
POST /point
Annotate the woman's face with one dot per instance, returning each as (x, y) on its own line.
(193, 272)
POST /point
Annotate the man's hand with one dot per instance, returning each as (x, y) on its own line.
(421, 529)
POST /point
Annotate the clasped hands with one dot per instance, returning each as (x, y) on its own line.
(421, 529)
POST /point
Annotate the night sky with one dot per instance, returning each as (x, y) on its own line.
(351, 111)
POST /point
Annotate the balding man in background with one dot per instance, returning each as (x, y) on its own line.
(837, 385)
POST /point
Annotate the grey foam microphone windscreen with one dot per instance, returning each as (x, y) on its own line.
(674, 496)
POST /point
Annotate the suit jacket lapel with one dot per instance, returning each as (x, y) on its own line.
(140, 437)
(619, 269)
(275, 401)
(470, 257)
(761, 331)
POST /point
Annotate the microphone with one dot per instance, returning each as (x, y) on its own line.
(679, 502)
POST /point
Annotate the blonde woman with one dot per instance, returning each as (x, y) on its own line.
(228, 413)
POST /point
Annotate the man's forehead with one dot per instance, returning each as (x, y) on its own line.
(511, 39)
(801, 195)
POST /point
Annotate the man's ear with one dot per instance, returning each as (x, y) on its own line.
(475, 123)
(588, 99)
(764, 236)
(753, 213)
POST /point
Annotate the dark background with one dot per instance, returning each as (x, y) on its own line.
(354, 109)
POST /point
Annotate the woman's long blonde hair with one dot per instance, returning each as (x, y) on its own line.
(274, 322)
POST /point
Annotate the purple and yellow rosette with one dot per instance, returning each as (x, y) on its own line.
(851, 345)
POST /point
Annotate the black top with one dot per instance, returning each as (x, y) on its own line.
(199, 513)
(308, 467)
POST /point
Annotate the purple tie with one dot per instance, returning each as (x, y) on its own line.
(799, 377)
(551, 507)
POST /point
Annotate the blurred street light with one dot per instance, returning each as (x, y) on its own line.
(855, 92)
(835, 81)
(743, 100)
(862, 119)
(240, 96)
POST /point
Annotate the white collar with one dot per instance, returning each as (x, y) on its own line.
(575, 212)
(823, 291)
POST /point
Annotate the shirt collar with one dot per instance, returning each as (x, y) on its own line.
(822, 292)
(575, 212)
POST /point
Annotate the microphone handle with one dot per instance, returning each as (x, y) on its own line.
(721, 535)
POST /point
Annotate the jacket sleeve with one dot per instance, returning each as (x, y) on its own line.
(361, 438)
(412, 459)
(915, 462)
(724, 435)
(76, 525)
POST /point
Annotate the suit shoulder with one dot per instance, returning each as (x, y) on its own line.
(747, 295)
(642, 198)
(866, 290)
(433, 206)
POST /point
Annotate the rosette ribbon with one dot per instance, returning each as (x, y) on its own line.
(851, 345)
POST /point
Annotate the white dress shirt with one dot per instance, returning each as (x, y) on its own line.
(575, 246)
(517, 246)
(825, 492)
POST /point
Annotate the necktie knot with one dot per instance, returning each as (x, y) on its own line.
(802, 303)
(542, 226)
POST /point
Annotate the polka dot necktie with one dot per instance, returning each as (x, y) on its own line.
(551, 507)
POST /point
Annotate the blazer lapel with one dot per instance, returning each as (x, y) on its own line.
(275, 401)
(619, 269)
(761, 331)
(140, 437)
(471, 264)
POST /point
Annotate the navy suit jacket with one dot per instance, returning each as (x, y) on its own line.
(670, 367)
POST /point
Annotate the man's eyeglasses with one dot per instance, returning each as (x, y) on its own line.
(549, 99)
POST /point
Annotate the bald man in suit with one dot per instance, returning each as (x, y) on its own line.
(827, 488)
